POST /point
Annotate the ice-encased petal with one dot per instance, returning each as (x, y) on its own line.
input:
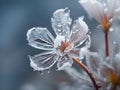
(86, 43)
(111, 8)
(40, 38)
(61, 21)
(94, 9)
(64, 62)
(43, 61)
(79, 31)
(106, 67)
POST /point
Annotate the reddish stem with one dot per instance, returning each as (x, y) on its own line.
(86, 70)
(106, 44)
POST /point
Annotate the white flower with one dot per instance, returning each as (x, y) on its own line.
(60, 48)
(106, 71)
(102, 12)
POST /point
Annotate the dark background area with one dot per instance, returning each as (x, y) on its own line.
(16, 17)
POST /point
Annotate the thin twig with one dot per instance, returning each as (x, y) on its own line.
(106, 44)
(86, 70)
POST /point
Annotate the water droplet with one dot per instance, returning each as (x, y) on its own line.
(118, 17)
(110, 20)
(59, 30)
(41, 72)
(104, 4)
(111, 29)
(106, 9)
(66, 10)
(89, 32)
(59, 25)
(48, 71)
(114, 42)
(77, 30)
(60, 33)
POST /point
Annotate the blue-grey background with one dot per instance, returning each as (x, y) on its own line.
(16, 17)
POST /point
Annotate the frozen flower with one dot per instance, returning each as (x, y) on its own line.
(104, 13)
(59, 49)
(105, 70)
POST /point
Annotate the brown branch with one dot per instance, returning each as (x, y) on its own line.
(86, 70)
(106, 44)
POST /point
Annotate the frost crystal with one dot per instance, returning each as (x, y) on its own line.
(62, 47)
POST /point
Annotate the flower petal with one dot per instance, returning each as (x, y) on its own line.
(61, 21)
(93, 8)
(93, 61)
(106, 67)
(111, 8)
(40, 38)
(64, 62)
(43, 61)
(79, 31)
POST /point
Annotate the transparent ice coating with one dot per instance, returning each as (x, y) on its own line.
(61, 21)
(79, 31)
(63, 46)
(40, 38)
(43, 61)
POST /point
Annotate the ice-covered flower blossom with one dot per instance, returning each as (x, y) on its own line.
(104, 13)
(60, 48)
(105, 70)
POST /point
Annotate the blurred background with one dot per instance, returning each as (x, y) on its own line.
(16, 17)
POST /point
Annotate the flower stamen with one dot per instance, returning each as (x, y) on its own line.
(105, 26)
(63, 46)
(113, 78)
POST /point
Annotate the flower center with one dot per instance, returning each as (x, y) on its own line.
(113, 78)
(105, 25)
(63, 46)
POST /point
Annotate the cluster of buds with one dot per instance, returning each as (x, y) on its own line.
(71, 43)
